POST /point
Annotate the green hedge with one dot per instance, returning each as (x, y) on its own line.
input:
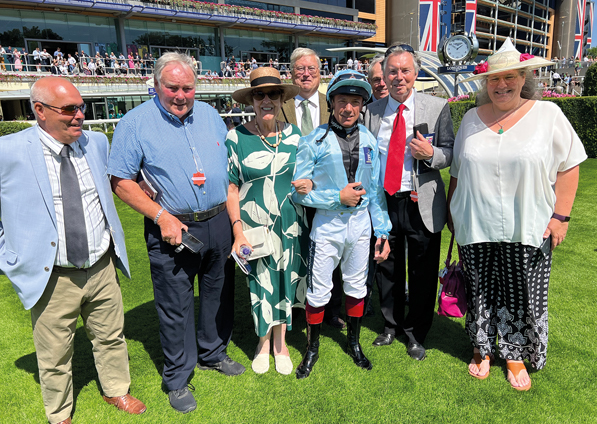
(582, 114)
(580, 111)
(10, 127)
(458, 110)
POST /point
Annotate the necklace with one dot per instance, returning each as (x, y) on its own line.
(497, 121)
(278, 134)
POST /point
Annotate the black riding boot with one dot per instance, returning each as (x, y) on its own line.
(354, 347)
(312, 354)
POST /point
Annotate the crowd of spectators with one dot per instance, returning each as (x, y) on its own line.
(78, 63)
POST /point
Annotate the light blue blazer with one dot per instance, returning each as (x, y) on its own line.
(28, 234)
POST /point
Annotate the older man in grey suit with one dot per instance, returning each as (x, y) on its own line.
(415, 195)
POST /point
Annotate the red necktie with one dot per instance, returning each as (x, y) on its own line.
(395, 162)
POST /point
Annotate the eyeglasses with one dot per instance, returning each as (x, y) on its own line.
(404, 47)
(70, 110)
(273, 95)
(299, 70)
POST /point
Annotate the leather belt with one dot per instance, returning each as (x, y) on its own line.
(401, 194)
(202, 215)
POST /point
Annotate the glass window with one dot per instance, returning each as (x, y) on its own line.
(238, 41)
(11, 33)
(326, 14)
(367, 6)
(320, 45)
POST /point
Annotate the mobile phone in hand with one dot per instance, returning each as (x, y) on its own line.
(191, 242)
(422, 128)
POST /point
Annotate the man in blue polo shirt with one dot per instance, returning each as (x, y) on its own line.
(178, 144)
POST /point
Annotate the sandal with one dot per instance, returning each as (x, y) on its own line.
(477, 360)
(515, 368)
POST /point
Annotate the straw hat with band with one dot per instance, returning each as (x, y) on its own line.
(507, 58)
(265, 77)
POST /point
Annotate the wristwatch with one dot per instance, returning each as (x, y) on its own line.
(559, 217)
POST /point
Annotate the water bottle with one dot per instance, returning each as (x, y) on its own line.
(241, 260)
(245, 251)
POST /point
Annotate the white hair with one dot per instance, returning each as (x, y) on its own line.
(302, 52)
(172, 57)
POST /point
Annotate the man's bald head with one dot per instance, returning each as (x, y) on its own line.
(48, 96)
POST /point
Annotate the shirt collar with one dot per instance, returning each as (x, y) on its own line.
(314, 99)
(393, 104)
(54, 145)
(170, 115)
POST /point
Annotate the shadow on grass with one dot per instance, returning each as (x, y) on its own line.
(83, 368)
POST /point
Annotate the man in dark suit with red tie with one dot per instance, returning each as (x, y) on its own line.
(415, 195)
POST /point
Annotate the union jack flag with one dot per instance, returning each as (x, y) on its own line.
(429, 24)
(580, 26)
(470, 26)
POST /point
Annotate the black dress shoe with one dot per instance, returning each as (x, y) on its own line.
(384, 339)
(416, 351)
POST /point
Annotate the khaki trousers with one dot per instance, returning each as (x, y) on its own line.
(94, 294)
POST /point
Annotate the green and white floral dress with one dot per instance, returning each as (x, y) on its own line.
(263, 175)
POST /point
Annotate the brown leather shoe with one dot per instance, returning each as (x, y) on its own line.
(67, 421)
(127, 403)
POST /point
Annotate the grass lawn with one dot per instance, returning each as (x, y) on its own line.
(398, 389)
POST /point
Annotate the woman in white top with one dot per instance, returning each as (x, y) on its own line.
(514, 176)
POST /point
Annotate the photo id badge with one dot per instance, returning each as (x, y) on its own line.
(429, 137)
(368, 154)
(198, 178)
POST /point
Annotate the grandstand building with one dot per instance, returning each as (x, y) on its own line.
(208, 31)
(547, 28)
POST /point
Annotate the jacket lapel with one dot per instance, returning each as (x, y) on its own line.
(40, 170)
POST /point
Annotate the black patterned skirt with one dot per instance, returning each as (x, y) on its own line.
(506, 288)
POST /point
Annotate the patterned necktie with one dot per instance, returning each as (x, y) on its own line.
(75, 232)
(306, 121)
(395, 162)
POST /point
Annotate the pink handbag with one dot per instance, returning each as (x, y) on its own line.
(452, 295)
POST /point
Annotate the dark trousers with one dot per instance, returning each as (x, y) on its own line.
(173, 276)
(332, 309)
(423, 263)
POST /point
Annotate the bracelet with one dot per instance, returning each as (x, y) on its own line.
(155, 220)
(559, 217)
(238, 220)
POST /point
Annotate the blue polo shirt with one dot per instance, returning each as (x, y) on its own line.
(171, 152)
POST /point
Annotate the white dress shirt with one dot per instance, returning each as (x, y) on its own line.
(313, 107)
(385, 132)
(98, 233)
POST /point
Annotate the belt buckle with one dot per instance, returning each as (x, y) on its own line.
(196, 216)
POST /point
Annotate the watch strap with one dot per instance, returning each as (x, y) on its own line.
(562, 218)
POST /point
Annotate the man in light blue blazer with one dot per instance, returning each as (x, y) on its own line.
(60, 243)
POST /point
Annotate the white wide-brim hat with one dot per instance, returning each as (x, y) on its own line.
(507, 58)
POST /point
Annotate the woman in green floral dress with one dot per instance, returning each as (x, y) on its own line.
(261, 162)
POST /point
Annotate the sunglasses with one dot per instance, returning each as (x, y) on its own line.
(70, 110)
(273, 95)
(404, 47)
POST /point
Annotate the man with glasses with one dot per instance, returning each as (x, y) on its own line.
(179, 144)
(415, 195)
(60, 244)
